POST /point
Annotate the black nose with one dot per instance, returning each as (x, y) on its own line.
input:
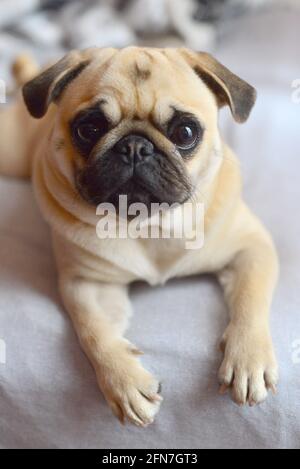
(134, 149)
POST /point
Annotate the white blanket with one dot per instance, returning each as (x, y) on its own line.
(48, 392)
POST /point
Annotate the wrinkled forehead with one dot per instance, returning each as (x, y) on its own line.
(140, 84)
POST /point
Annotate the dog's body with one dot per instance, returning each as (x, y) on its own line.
(139, 87)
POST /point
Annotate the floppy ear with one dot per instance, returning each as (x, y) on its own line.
(48, 87)
(228, 88)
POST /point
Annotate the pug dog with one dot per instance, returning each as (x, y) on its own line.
(143, 122)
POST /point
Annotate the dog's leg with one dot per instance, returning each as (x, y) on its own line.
(249, 367)
(100, 313)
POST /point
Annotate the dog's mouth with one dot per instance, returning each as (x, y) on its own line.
(133, 191)
(141, 172)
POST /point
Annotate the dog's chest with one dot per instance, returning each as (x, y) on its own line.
(156, 261)
(164, 256)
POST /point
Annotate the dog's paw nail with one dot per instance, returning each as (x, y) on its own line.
(223, 389)
(158, 398)
(273, 389)
(222, 346)
(152, 397)
(136, 351)
(118, 412)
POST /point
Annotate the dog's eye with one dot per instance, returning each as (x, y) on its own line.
(88, 133)
(185, 134)
(88, 129)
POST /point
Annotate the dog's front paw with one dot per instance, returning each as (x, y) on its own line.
(249, 368)
(130, 390)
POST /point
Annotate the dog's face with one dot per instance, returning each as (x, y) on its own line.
(138, 122)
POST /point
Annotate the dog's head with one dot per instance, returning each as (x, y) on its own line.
(140, 122)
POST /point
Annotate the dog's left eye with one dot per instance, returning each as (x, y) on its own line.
(185, 133)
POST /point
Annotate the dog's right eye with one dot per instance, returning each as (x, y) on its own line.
(87, 130)
(88, 133)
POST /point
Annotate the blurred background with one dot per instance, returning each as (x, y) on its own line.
(50, 27)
